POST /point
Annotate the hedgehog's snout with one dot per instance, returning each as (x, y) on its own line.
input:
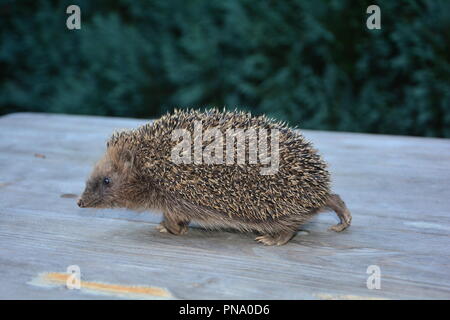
(83, 201)
(80, 203)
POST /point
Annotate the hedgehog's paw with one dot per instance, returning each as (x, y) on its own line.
(160, 227)
(275, 240)
(339, 227)
(177, 229)
(182, 229)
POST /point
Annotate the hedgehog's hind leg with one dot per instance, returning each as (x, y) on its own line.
(277, 239)
(336, 204)
(280, 231)
(173, 224)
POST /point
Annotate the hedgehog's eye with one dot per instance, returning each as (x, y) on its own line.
(106, 181)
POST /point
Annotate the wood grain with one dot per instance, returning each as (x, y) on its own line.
(396, 187)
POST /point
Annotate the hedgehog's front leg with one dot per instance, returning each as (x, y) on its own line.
(173, 224)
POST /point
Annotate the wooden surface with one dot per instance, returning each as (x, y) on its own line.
(396, 187)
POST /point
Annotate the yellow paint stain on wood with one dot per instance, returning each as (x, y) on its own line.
(145, 292)
(5, 184)
(326, 296)
(40, 155)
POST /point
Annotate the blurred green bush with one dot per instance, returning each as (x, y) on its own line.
(313, 63)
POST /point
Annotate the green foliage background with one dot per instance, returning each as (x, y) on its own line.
(313, 63)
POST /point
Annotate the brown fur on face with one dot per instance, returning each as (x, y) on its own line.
(111, 176)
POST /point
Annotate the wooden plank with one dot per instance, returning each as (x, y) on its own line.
(396, 188)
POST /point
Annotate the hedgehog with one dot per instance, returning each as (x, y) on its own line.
(193, 166)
